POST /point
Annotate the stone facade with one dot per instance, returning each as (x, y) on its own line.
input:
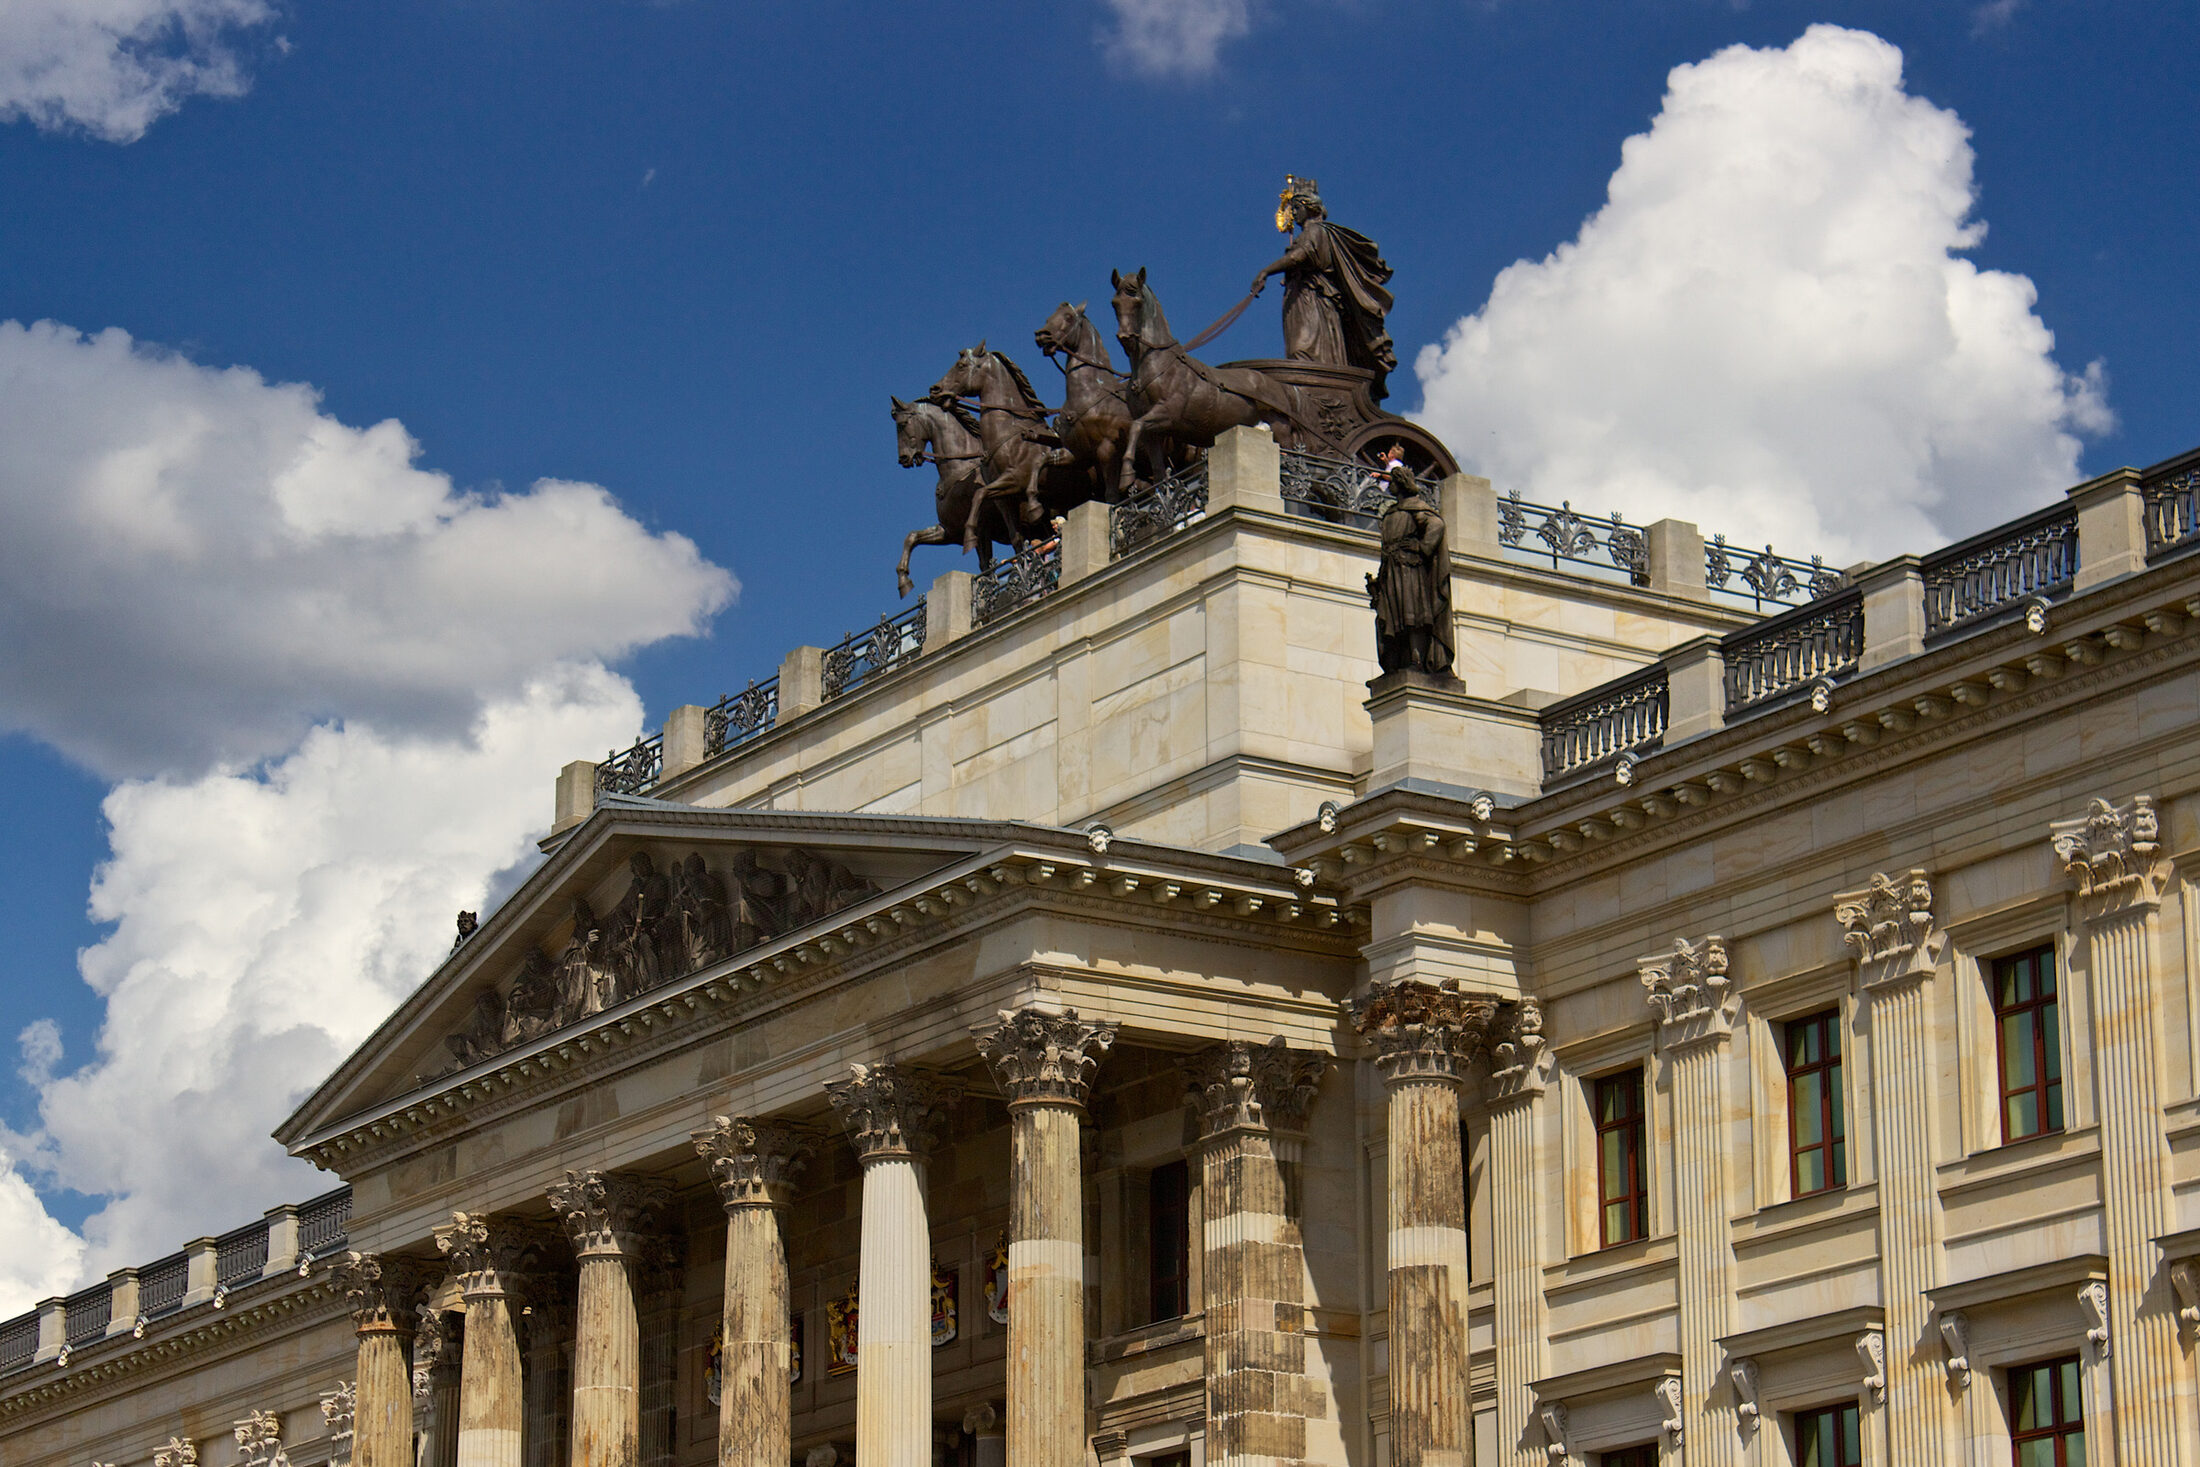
(1113, 1034)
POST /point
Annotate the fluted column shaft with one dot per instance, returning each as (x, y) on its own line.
(892, 1114)
(755, 1163)
(1916, 1412)
(488, 1255)
(443, 1381)
(1252, 1100)
(381, 1294)
(1522, 1317)
(607, 1215)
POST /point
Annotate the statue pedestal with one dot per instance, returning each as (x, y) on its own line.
(1429, 731)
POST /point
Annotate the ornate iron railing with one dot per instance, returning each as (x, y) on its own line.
(162, 1285)
(86, 1314)
(631, 771)
(1568, 536)
(2034, 556)
(1780, 654)
(1766, 576)
(1015, 582)
(1341, 491)
(898, 639)
(18, 1342)
(241, 1255)
(324, 1222)
(2173, 511)
(1147, 516)
(1626, 716)
(738, 717)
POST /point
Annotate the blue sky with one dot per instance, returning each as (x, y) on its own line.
(685, 251)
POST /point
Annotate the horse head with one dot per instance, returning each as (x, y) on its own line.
(1067, 330)
(965, 378)
(1139, 324)
(911, 433)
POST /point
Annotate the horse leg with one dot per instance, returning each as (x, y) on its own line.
(929, 535)
(1127, 473)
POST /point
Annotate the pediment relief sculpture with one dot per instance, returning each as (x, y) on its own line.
(668, 924)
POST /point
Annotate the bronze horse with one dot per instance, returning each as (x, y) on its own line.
(1018, 444)
(948, 436)
(1186, 400)
(1096, 412)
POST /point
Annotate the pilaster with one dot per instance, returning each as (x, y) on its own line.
(755, 1163)
(1519, 1074)
(2114, 858)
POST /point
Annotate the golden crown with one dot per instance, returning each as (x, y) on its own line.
(1295, 188)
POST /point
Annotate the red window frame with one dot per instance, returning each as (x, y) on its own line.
(1623, 1199)
(1818, 1161)
(1168, 1242)
(2064, 1421)
(2028, 1043)
(1836, 1429)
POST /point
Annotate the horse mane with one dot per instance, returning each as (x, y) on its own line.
(1151, 319)
(963, 415)
(1092, 344)
(1023, 383)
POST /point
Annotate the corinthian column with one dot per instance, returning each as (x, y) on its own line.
(382, 1292)
(893, 1115)
(1689, 989)
(2114, 856)
(607, 1215)
(1421, 1036)
(1252, 1101)
(489, 1255)
(1518, 1076)
(755, 1163)
(1044, 1062)
(1890, 926)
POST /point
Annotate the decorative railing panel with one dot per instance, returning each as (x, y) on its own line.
(241, 1255)
(632, 771)
(18, 1342)
(161, 1286)
(86, 1314)
(324, 1222)
(738, 717)
(1824, 639)
(1766, 576)
(1622, 717)
(1169, 505)
(2034, 556)
(897, 640)
(1566, 535)
(2173, 511)
(1016, 582)
(1339, 490)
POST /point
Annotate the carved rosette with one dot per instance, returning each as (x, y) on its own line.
(2114, 855)
(1689, 989)
(1239, 1085)
(891, 1112)
(608, 1212)
(755, 1162)
(490, 1255)
(383, 1291)
(1042, 1058)
(1890, 926)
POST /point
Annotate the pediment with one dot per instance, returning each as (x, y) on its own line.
(642, 895)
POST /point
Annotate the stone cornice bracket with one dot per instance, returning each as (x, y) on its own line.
(1420, 1031)
(1043, 1058)
(1748, 1412)
(2114, 855)
(2093, 1299)
(608, 1212)
(755, 1161)
(1242, 1086)
(2184, 1277)
(1553, 1416)
(489, 1253)
(1668, 1392)
(178, 1453)
(1689, 989)
(1890, 926)
(1519, 1060)
(1871, 1349)
(892, 1112)
(383, 1291)
(1955, 1340)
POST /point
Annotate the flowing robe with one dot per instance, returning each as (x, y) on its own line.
(1334, 302)
(1412, 590)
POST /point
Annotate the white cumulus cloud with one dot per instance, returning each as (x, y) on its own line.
(112, 68)
(1174, 38)
(1770, 327)
(334, 691)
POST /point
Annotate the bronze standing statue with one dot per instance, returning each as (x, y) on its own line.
(1334, 289)
(1411, 592)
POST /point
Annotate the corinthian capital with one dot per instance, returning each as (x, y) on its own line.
(1041, 1057)
(605, 1212)
(2114, 853)
(1890, 926)
(382, 1291)
(1689, 989)
(891, 1111)
(1422, 1031)
(754, 1161)
(489, 1254)
(1239, 1085)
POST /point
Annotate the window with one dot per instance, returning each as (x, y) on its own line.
(1623, 1180)
(1630, 1457)
(2028, 1032)
(1828, 1437)
(1168, 1241)
(2046, 1415)
(1817, 1135)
